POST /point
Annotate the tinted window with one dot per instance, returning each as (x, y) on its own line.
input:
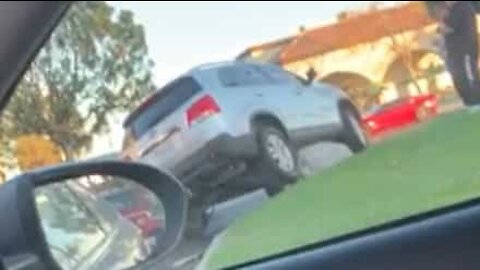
(162, 104)
(241, 75)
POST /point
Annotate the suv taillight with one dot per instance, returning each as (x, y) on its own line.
(202, 109)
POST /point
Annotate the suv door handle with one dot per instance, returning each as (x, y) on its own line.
(259, 94)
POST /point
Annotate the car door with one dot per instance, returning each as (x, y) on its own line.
(318, 100)
(300, 102)
(251, 92)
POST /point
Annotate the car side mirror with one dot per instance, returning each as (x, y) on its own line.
(92, 215)
(308, 82)
(311, 76)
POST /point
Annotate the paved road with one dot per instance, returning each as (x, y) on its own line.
(188, 254)
(322, 156)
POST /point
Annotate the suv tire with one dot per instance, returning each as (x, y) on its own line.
(278, 160)
(353, 134)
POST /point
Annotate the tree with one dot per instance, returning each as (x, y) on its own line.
(95, 64)
(33, 151)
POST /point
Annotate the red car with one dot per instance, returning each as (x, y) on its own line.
(138, 210)
(400, 113)
(148, 224)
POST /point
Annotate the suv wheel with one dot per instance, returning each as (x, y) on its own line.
(278, 159)
(353, 133)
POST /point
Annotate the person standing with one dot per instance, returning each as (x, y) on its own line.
(458, 26)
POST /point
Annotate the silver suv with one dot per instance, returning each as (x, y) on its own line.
(219, 120)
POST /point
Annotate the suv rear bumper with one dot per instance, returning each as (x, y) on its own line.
(219, 153)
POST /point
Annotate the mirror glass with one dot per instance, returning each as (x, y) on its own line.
(100, 222)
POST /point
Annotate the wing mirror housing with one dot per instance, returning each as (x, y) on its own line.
(311, 76)
(90, 213)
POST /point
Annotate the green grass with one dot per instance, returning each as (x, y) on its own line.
(422, 169)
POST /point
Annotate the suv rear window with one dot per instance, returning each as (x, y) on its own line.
(241, 75)
(161, 104)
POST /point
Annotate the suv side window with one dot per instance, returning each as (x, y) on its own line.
(240, 76)
(162, 104)
(274, 74)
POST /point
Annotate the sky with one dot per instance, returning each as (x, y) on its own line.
(181, 35)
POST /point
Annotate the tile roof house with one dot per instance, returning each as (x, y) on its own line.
(347, 32)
